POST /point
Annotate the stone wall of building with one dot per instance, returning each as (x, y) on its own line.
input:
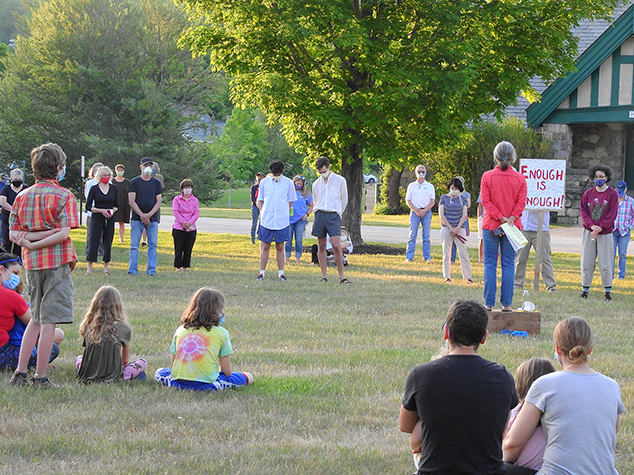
(583, 146)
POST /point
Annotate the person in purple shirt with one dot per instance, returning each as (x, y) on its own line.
(599, 208)
(186, 211)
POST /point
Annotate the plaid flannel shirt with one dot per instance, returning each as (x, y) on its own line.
(45, 205)
(624, 221)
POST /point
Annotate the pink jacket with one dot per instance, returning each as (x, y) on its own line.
(185, 211)
(503, 194)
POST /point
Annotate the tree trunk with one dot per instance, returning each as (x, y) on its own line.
(352, 171)
(393, 189)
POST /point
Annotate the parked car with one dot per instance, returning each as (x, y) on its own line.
(370, 179)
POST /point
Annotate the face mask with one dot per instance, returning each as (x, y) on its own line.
(326, 174)
(17, 183)
(105, 180)
(421, 174)
(120, 172)
(276, 178)
(599, 182)
(222, 319)
(147, 171)
(13, 282)
(454, 192)
(62, 174)
(187, 191)
(557, 357)
(298, 186)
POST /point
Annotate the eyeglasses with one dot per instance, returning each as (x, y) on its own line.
(300, 177)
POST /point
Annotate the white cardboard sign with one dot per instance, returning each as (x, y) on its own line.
(545, 183)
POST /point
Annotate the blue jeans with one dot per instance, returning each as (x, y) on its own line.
(414, 222)
(136, 231)
(620, 246)
(298, 230)
(255, 216)
(491, 244)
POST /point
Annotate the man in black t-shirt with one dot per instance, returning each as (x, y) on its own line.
(461, 400)
(145, 195)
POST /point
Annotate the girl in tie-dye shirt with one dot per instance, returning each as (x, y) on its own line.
(200, 345)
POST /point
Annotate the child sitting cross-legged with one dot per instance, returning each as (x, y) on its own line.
(107, 335)
(199, 345)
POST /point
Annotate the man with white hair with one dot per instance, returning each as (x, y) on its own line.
(7, 197)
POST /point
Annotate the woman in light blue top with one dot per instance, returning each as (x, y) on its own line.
(299, 214)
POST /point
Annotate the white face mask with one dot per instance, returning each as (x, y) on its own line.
(421, 174)
(454, 192)
(276, 178)
(326, 174)
(147, 171)
(187, 191)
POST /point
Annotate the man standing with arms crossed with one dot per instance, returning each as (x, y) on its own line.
(330, 195)
(420, 198)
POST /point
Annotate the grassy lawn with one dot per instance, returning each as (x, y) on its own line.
(329, 363)
(240, 199)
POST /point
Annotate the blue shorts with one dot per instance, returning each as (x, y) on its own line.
(273, 235)
(164, 376)
(326, 222)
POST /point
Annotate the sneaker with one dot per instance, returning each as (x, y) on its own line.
(409, 260)
(552, 289)
(143, 244)
(607, 296)
(259, 278)
(282, 278)
(19, 379)
(584, 295)
(41, 383)
(249, 378)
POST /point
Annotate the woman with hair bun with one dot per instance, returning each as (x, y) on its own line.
(579, 409)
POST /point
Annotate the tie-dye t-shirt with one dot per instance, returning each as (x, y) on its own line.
(197, 352)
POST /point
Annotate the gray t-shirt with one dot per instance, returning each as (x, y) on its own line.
(579, 421)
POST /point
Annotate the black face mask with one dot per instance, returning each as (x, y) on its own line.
(17, 183)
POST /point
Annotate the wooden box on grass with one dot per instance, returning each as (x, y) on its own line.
(528, 322)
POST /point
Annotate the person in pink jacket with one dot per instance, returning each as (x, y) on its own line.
(186, 212)
(503, 193)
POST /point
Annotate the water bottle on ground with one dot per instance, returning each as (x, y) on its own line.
(528, 305)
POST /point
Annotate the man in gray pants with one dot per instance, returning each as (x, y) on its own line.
(529, 222)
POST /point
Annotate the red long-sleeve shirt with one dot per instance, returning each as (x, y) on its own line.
(503, 194)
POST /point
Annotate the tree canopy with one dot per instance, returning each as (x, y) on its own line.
(383, 79)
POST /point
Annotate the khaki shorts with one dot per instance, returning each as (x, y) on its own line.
(51, 292)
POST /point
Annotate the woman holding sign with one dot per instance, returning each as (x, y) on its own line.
(503, 193)
(599, 208)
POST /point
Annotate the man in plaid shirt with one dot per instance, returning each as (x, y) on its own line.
(40, 222)
(623, 225)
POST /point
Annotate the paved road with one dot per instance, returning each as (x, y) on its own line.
(561, 239)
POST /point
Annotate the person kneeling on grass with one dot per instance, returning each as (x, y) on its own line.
(199, 345)
(107, 337)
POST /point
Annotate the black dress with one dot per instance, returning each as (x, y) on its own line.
(123, 213)
(99, 224)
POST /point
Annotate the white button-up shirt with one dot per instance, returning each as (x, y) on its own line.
(276, 196)
(420, 194)
(331, 195)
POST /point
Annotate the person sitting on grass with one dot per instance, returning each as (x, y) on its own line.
(199, 345)
(531, 456)
(107, 335)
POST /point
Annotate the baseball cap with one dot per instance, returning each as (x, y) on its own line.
(621, 186)
(146, 160)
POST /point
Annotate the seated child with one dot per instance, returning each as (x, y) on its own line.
(199, 345)
(532, 455)
(107, 335)
(346, 244)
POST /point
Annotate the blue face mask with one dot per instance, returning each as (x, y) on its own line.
(12, 283)
(599, 182)
(62, 174)
(222, 319)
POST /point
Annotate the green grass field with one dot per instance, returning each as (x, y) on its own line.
(329, 362)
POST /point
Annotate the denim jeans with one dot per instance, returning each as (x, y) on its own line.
(298, 230)
(255, 216)
(620, 248)
(492, 244)
(136, 231)
(414, 222)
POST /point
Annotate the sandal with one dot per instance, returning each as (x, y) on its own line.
(488, 308)
(345, 281)
(106, 272)
(469, 281)
(447, 281)
(507, 309)
(323, 279)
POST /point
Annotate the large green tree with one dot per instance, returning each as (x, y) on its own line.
(383, 79)
(105, 79)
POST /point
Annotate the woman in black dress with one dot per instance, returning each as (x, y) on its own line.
(122, 215)
(103, 202)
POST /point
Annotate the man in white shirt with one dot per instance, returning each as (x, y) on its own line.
(330, 195)
(529, 223)
(420, 198)
(275, 199)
